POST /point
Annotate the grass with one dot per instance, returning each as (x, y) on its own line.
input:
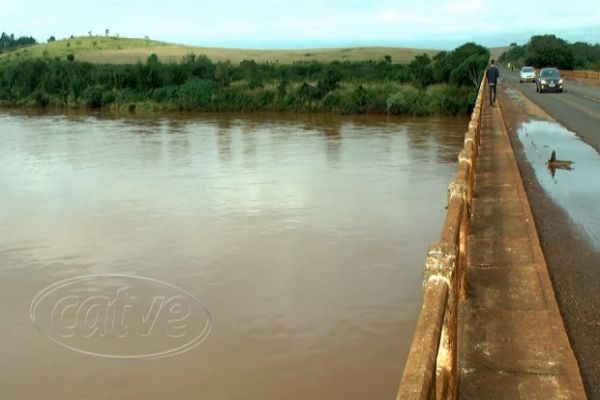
(81, 45)
(113, 50)
(496, 52)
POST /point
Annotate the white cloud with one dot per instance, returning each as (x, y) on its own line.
(468, 7)
(301, 22)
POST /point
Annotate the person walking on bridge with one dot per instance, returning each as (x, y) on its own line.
(492, 75)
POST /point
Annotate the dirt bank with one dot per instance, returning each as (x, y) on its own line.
(573, 263)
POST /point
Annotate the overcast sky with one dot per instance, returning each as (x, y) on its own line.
(308, 23)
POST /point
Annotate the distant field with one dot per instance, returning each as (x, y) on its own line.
(112, 50)
(176, 52)
(496, 52)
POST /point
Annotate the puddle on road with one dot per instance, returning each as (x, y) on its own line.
(576, 190)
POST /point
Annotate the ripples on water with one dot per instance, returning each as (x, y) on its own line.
(304, 236)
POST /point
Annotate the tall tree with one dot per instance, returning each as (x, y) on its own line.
(548, 50)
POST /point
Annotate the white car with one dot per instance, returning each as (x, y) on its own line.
(527, 74)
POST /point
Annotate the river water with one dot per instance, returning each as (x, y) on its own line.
(303, 237)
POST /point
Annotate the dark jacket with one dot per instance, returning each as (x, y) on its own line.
(492, 75)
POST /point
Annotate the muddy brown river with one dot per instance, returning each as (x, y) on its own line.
(296, 241)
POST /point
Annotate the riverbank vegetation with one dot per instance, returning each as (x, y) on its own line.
(549, 50)
(445, 84)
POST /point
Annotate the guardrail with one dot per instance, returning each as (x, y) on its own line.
(579, 74)
(431, 369)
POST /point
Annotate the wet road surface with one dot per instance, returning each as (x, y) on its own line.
(577, 108)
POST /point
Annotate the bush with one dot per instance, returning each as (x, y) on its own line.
(197, 84)
(196, 94)
(402, 102)
(332, 102)
(451, 99)
(108, 98)
(266, 99)
(94, 95)
(41, 99)
(164, 94)
(360, 99)
(307, 92)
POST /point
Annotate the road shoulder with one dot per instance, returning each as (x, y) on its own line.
(573, 263)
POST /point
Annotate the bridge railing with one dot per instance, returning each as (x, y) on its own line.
(580, 74)
(431, 369)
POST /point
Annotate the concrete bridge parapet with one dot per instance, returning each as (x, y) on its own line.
(480, 345)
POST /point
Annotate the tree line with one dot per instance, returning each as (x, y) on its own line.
(445, 84)
(9, 42)
(550, 51)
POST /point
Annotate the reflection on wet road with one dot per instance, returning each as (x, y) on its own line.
(576, 190)
(578, 108)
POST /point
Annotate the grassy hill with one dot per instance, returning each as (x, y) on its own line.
(113, 50)
(496, 52)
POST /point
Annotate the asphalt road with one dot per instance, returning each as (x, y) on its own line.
(577, 108)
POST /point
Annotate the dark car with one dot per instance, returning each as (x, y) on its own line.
(549, 80)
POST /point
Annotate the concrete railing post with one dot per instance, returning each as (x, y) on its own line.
(441, 263)
(460, 188)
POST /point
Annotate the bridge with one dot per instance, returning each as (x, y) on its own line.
(490, 326)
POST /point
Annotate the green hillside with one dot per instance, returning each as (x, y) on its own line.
(113, 50)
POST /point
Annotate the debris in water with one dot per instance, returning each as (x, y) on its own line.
(554, 164)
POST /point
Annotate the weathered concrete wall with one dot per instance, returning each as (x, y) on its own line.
(431, 368)
(583, 75)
